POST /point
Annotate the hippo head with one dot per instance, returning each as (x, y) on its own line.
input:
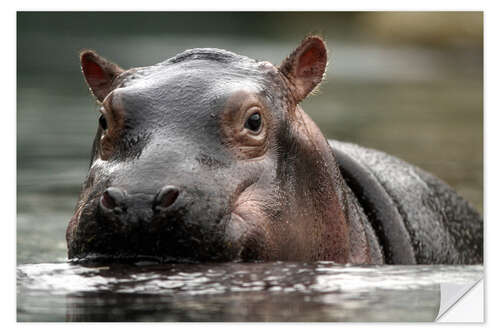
(207, 156)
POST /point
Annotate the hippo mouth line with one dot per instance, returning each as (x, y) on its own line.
(98, 258)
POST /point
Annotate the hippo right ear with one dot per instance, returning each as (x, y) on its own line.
(305, 67)
(99, 73)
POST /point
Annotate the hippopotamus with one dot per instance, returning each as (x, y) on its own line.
(208, 157)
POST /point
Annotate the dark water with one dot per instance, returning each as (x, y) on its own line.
(423, 104)
(277, 291)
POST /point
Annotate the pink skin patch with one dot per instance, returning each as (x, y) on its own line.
(94, 73)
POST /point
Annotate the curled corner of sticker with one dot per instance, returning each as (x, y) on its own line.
(453, 294)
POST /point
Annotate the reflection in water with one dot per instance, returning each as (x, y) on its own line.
(278, 291)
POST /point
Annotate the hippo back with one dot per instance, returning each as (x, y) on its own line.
(417, 217)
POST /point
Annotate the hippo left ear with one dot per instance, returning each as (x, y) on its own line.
(305, 67)
(99, 73)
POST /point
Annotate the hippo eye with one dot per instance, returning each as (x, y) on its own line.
(253, 122)
(103, 123)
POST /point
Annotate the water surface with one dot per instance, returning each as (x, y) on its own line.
(278, 291)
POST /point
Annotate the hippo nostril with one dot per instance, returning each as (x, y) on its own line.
(166, 197)
(112, 197)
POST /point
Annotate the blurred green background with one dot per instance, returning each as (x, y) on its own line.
(410, 84)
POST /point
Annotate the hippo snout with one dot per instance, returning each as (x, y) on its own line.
(114, 199)
(125, 211)
(173, 223)
(168, 224)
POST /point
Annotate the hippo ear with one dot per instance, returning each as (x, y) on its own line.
(98, 72)
(305, 67)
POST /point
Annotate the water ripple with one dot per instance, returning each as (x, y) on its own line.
(272, 291)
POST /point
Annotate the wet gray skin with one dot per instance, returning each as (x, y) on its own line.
(208, 157)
